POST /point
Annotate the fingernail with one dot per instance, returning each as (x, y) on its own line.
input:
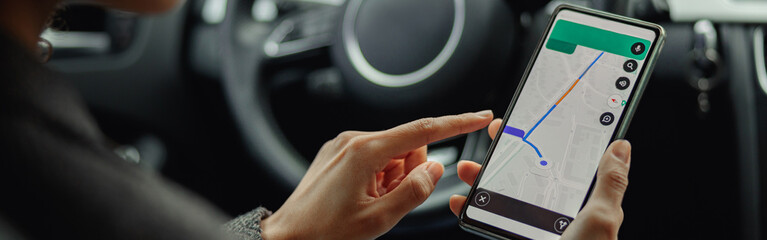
(622, 150)
(485, 114)
(435, 171)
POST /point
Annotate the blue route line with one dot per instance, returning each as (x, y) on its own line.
(534, 147)
(521, 134)
(592, 64)
(539, 122)
(516, 132)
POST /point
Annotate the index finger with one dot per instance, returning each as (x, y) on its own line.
(407, 137)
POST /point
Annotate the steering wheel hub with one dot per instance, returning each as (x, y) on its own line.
(377, 33)
(420, 54)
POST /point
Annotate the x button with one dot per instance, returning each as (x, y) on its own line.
(482, 198)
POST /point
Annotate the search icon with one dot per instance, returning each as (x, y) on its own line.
(630, 65)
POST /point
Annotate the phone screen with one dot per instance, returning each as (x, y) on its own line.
(541, 168)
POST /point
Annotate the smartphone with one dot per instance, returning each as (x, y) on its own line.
(578, 94)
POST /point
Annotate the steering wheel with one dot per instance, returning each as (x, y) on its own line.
(432, 56)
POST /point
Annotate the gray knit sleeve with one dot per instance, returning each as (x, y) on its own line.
(248, 225)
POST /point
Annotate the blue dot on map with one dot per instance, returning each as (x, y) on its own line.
(544, 163)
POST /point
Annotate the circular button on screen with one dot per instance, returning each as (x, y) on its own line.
(637, 48)
(482, 198)
(606, 118)
(622, 83)
(630, 65)
(614, 101)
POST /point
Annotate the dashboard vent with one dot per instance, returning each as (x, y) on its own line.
(84, 30)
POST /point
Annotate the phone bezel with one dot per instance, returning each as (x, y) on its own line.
(482, 228)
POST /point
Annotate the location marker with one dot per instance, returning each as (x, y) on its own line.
(542, 164)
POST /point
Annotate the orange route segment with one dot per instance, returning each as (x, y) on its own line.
(568, 91)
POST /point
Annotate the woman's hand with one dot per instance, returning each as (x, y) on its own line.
(602, 216)
(362, 183)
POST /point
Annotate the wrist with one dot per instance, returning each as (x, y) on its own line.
(268, 228)
(273, 228)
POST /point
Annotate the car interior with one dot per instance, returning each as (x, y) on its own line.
(224, 95)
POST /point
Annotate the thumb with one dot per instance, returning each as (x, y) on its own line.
(612, 175)
(413, 190)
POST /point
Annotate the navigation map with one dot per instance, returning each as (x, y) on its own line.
(565, 116)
